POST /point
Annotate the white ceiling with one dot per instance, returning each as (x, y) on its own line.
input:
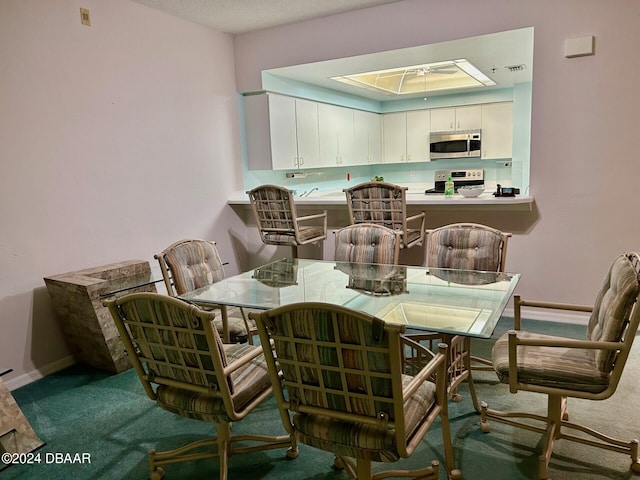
(490, 53)
(241, 16)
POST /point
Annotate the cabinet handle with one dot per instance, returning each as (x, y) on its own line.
(408, 158)
(301, 161)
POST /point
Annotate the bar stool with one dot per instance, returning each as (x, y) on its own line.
(277, 221)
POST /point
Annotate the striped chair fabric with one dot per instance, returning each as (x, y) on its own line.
(467, 246)
(560, 367)
(367, 243)
(385, 204)
(184, 366)
(191, 264)
(345, 383)
(463, 246)
(587, 370)
(277, 221)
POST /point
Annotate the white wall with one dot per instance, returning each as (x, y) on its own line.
(115, 140)
(584, 178)
(119, 138)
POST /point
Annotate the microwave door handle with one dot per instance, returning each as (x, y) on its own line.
(468, 145)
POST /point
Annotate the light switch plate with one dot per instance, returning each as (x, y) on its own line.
(84, 17)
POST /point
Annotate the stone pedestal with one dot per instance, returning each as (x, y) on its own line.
(77, 299)
(16, 434)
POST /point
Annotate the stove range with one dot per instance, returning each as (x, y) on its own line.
(461, 178)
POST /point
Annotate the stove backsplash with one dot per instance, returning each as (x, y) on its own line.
(503, 172)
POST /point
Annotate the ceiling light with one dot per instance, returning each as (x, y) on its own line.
(419, 79)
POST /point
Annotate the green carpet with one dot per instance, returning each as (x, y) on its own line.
(82, 410)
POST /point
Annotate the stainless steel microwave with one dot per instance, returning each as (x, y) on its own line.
(461, 144)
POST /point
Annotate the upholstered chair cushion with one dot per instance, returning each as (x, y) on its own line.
(305, 233)
(612, 308)
(340, 382)
(194, 265)
(578, 369)
(248, 381)
(278, 223)
(345, 437)
(571, 368)
(274, 210)
(351, 439)
(382, 204)
(152, 338)
(465, 248)
(366, 243)
(385, 204)
(186, 369)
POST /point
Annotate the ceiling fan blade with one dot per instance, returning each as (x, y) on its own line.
(443, 70)
(391, 74)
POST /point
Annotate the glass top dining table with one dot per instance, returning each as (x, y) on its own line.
(458, 302)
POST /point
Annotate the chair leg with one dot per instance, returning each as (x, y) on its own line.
(363, 468)
(554, 429)
(223, 446)
(223, 431)
(294, 251)
(453, 473)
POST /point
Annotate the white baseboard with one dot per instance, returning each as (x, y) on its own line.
(27, 378)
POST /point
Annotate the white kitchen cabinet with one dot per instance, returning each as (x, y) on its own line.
(367, 138)
(497, 130)
(336, 135)
(282, 127)
(418, 128)
(406, 136)
(294, 132)
(394, 137)
(456, 118)
(281, 132)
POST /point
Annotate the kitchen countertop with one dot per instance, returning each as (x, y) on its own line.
(337, 198)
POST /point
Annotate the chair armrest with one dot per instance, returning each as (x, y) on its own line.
(563, 343)
(419, 216)
(312, 217)
(437, 365)
(518, 303)
(242, 361)
(515, 341)
(407, 340)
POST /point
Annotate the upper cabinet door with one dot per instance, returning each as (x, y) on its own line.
(394, 137)
(367, 138)
(497, 130)
(336, 135)
(456, 118)
(294, 132)
(443, 119)
(282, 122)
(418, 128)
(307, 134)
(468, 118)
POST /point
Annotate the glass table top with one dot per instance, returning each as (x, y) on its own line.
(134, 282)
(460, 302)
